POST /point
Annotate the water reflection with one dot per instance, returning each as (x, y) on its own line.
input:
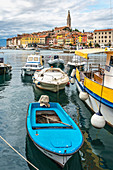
(26, 79)
(60, 97)
(95, 143)
(4, 79)
(41, 161)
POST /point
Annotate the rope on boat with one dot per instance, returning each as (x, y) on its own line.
(19, 153)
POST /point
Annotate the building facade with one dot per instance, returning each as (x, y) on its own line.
(103, 37)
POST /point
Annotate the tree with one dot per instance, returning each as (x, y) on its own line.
(90, 44)
(77, 30)
(97, 45)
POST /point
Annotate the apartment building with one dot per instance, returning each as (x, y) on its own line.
(103, 37)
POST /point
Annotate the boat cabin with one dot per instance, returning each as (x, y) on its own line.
(95, 71)
(34, 59)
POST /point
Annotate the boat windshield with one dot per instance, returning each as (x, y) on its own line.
(35, 58)
(30, 58)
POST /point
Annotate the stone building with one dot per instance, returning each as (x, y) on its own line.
(103, 37)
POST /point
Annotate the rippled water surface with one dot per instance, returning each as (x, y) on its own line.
(15, 95)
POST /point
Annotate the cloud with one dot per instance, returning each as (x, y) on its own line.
(27, 16)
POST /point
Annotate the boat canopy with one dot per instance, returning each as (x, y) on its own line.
(84, 53)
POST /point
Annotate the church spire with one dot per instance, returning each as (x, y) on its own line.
(69, 19)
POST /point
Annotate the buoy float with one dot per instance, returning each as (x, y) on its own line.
(72, 79)
(83, 95)
(73, 73)
(38, 83)
(97, 120)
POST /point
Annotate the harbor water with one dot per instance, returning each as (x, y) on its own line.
(17, 92)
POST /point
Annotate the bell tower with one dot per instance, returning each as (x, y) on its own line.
(68, 20)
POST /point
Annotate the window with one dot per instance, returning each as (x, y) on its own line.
(109, 36)
(99, 33)
(109, 32)
(102, 37)
(102, 32)
(95, 41)
(102, 40)
(95, 33)
(95, 37)
(105, 40)
(105, 36)
(111, 61)
(105, 32)
(99, 40)
(109, 40)
(99, 36)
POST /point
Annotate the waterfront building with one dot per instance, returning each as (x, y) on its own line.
(69, 40)
(9, 42)
(29, 39)
(103, 37)
(44, 39)
(60, 41)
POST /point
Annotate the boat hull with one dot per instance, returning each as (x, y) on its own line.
(5, 70)
(94, 105)
(29, 72)
(50, 87)
(60, 159)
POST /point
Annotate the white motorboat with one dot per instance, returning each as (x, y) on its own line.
(53, 79)
(76, 62)
(34, 62)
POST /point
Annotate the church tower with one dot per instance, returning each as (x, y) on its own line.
(68, 20)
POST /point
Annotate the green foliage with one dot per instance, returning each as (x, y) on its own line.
(90, 44)
(77, 30)
(97, 45)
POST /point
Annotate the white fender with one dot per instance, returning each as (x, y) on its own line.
(98, 121)
(72, 80)
(73, 73)
(83, 95)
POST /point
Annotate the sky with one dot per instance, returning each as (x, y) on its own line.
(28, 16)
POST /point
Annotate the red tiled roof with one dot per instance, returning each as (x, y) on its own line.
(60, 28)
(103, 30)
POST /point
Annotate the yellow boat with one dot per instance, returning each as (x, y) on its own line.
(95, 86)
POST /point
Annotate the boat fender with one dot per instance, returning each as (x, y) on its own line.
(98, 121)
(72, 80)
(83, 95)
(38, 83)
(73, 73)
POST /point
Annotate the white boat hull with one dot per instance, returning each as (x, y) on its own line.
(51, 87)
(94, 104)
(28, 71)
(60, 159)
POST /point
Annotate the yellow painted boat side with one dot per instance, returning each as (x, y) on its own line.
(77, 74)
(96, 88)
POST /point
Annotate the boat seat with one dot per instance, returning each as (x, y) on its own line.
(98, 77)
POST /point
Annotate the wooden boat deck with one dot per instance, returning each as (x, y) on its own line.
(46, 116)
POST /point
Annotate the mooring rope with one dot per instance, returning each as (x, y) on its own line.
(19, 153)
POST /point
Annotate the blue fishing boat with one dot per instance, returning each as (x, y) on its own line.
(53, 131)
